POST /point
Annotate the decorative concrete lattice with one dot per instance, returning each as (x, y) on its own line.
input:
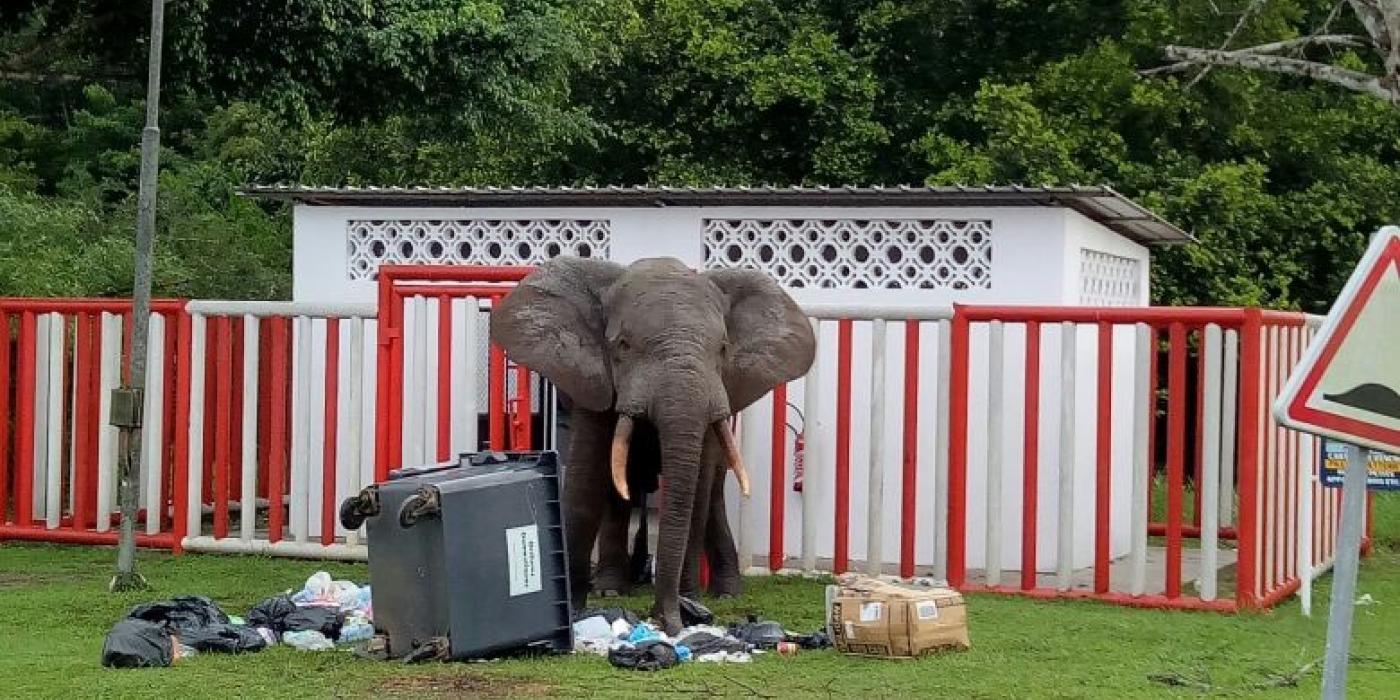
(470, 242)
(856, 253)
(1108, 280)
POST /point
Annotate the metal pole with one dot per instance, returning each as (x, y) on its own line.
(129, 445)
(1334, 675)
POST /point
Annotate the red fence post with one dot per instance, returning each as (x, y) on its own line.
(1104, 457)
(444, 387)
(328, 451)
(1176, 432)
(843, 446)
(1246, 591)
(909, 493)
(777, 496)
(83, 398)
(4, 417)
(24, 421)
(181, 425)
(957, 451)
(1030, 475)
(522, 413)
(277, 429)
(496, 397)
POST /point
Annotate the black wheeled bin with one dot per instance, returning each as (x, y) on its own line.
(471, 551)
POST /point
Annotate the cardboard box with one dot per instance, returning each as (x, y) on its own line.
(868, 617)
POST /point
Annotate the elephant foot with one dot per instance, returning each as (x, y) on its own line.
(725, 587)
(667, 617)
(611, 584)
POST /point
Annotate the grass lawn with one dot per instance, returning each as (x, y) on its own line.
(54, 612)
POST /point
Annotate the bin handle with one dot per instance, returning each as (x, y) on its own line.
(426, 503)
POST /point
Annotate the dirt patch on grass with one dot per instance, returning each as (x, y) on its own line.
(465, 685)
(20, 579)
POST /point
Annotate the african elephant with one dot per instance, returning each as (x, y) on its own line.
(656, 357)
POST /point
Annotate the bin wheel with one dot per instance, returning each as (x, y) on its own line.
(358, 508)
(426, 503)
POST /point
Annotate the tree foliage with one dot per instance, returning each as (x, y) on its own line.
(1279, 177)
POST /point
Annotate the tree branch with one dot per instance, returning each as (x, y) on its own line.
(1350, 79)
(61, 78)
(1348, 40)
(1249, 11)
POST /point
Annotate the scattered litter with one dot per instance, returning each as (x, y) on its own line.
(763, 634)
(307, 640)
(325, 620)
(650, 655)
(229, 639)
(182, 614)
(693, 613)
(135, 643)
(1366, 599)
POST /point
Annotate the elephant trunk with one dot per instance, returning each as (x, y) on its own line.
(731, 454)
(622, 442)
(681, 448)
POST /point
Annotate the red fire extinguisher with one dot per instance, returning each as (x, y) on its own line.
(799, 448)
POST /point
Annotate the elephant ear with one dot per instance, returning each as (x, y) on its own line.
(553, 323)
(770, 339)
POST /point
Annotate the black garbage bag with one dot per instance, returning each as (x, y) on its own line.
(327, 621)
(228, 639)
(815, 640)
(272, 613)
(702, 643)
(693, 613)
(610, 614)
(181, 615)
(652, 655)
(764, 634)
(134, 643)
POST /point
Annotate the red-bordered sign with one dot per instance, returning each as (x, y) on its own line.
(1348, 385)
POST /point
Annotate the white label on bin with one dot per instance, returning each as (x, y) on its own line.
(928, 610)
(870, 612)
(523, 551)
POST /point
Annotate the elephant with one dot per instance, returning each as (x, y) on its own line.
(656, 357)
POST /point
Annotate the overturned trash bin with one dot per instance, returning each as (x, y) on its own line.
(471, 552)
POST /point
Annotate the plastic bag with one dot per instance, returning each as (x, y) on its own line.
(272, 613)
(643, 633)
(653, 655)
(762, 634)
(181, 615)
(693, 613)
(704, 643)
(229, 639)
(327, 621)
(135, 643)
(307, 640)
(610, 614)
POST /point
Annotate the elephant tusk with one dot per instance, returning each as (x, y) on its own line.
(731, 454)
(622, 442)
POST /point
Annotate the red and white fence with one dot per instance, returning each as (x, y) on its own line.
(1004, 448)
(59, 360)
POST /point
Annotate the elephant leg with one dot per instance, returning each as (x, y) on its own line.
(725, 568)
(704, 489)
(586, 485)
(611, 578)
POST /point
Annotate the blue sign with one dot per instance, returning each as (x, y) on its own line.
(1382, 473)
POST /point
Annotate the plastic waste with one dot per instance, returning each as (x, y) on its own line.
(763, 634)
(272, 613)
(236, 620)
(620, 628)
(184, 651)
(652, 655)
(327, 621)
(693, 613)
(593, 628)
(356, 631)
(703, 643)
(230, 639)
(135, 643)
(307, 640)
(182, 614)
(682, 653)
(611, 614)
(724, 657)
(642, 633)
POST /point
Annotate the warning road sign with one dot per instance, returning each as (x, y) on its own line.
(1348, 385)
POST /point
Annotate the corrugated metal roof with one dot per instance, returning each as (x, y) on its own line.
(1099, 203)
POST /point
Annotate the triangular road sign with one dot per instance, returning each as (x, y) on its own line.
(1347, 386)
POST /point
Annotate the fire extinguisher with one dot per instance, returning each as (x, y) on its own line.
(799, 449)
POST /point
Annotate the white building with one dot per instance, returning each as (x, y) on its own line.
(854, 245)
